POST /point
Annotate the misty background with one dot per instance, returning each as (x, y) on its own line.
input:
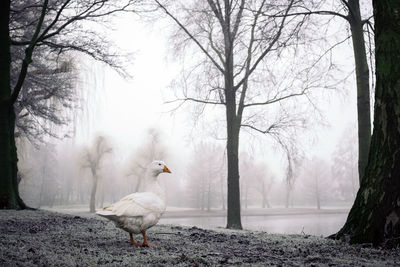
(113, 124)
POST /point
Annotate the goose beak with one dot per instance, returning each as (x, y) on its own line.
(166, 169)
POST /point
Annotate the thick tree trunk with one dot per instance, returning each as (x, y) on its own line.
(9, 195)
(375, 215)
(363, 94)
(234, 218)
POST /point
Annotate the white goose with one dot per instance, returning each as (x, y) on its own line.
(137, 212)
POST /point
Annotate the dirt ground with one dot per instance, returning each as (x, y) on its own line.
(43, 238)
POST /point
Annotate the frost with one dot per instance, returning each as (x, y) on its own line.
(37, 238)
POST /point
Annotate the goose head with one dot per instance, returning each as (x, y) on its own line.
(157, 167)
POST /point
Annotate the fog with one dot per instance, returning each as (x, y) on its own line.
(139, 121)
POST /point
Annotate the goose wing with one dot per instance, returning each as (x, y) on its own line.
(137, 204)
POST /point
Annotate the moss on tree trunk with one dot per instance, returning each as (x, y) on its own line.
(9, 196)
(375, 215)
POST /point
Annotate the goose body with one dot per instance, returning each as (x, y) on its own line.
(137, 212)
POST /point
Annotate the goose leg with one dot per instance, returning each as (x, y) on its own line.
(145, 243)
(133, 241)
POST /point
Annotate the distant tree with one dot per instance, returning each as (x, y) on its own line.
(240, 46)
(315, 178)
(92, 160)
(152, 148)
(255, 179)
(38, 166)
(375, 215)
(204, 173)
(265, 187)
(344, 167)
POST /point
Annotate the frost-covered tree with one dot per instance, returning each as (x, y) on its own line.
(240, 69)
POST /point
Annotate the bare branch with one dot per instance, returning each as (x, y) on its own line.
(268, 49)
(277, 99)
(28, 55)
(191, 36)
(193, 100)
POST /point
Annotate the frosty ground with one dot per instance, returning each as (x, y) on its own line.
(31, 238)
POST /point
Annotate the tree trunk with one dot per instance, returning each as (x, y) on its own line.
(222, 195)
(288, 189)
(93, 194)
(9, 195)
(246, 197)
(263, 195)
(233, 220)
(375, 215)
(362, 77)
(317, 192)
(267, 202)
(209, 196)
(318, 201)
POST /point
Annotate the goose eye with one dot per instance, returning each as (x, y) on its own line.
(159, 164)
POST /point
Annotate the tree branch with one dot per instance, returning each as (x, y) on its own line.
(191, 36)
(268, 49)
(276, 99)
(28, 55)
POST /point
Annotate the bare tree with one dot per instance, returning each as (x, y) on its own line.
(315, 178)
(152, 148)
(50, 86)
(240, 47)
(255, 179)
(92, 160)
(204, 173)
(344, 167)
(57, 25)
(350, 11)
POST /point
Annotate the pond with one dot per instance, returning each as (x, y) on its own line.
(313, 224)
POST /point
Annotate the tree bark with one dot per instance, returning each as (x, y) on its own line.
(233, 129)
(362, 78)
(375, 215)
(9, 195)
(234, 219)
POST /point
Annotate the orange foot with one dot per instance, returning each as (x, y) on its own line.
(148, 245)
(133, 241)
(145, 243)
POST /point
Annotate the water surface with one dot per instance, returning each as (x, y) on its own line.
(313, 224)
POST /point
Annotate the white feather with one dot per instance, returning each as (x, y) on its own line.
(139, 211)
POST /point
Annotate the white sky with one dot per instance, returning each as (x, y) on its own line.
(127, 108)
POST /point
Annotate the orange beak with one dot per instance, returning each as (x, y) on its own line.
(166, 169)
